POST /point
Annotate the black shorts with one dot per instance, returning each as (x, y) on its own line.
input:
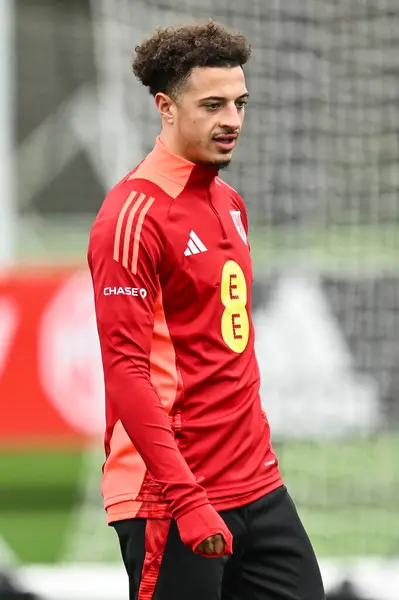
(272, 558)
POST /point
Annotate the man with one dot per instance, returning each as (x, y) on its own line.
(191, 482)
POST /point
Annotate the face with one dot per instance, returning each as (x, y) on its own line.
(205, 122)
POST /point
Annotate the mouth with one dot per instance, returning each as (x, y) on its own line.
(226, 142)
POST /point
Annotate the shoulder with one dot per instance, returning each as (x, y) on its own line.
(132, 196)
(134, 209)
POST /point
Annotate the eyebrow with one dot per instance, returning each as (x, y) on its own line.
(222, 98)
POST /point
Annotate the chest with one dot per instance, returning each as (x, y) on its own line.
(207, 250)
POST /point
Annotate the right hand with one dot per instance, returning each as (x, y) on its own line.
(203, 530)
(212, 545)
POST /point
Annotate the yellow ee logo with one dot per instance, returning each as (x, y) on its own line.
(235, 322)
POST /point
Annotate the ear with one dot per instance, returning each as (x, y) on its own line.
(165, 106)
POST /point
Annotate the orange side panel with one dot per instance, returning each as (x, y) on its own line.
(163, 359)
(124, 471)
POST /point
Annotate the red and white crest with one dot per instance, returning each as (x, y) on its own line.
(236, 215)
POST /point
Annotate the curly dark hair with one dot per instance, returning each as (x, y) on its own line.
(164, 61)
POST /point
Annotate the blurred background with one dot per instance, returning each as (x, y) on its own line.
(318, 168)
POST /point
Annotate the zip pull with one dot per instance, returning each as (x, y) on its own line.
(225, 238)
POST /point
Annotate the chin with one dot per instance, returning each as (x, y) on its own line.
(222, 165)
(222, 162)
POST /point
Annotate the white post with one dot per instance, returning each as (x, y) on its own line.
(8, 207)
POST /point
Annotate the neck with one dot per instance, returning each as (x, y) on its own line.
(170, 142)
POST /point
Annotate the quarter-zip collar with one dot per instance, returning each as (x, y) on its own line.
(179, 170)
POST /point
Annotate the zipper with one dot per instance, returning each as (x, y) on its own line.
(218, 217)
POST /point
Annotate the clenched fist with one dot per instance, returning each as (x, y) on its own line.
(214, 545)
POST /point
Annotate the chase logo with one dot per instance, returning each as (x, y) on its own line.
(125, 291)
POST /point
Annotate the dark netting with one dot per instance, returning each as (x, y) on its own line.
(320, 144)
(318, 168)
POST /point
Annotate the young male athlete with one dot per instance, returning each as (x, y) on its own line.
(191, 482)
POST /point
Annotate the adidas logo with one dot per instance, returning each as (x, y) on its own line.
(194, 246)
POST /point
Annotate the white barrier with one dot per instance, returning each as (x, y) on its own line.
(373, 577)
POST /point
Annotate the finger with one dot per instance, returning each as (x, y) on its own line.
(204, 546)
(219, 544)
(209, 546)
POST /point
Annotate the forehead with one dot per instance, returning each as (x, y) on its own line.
(224, 82)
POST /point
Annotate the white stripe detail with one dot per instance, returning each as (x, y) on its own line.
(193, 247)
(196, 239)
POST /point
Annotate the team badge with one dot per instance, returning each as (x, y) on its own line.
(236, 216)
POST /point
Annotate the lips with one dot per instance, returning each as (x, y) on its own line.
(226, 142)
(225, 138)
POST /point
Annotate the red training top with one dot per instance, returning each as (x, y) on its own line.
(172, 275)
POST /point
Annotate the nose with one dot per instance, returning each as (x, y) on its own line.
(231, 118)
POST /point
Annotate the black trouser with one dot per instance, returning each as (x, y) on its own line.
(272, 558)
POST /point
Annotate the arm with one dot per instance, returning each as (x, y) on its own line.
(125, 325)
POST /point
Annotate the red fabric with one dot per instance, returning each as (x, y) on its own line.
(156, 535)
(199, 524)
(222, 450)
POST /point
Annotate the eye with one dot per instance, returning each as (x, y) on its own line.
(241, 103)
(213, 106)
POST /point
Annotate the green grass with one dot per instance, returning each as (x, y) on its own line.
(346, 493)
(38, 490)
(344, 248)
(38, 468)
(348, 247)
(35, 536)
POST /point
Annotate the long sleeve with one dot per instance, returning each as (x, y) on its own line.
(125, 319)
(125, 254)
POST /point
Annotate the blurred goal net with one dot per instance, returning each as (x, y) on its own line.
(318, 168)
